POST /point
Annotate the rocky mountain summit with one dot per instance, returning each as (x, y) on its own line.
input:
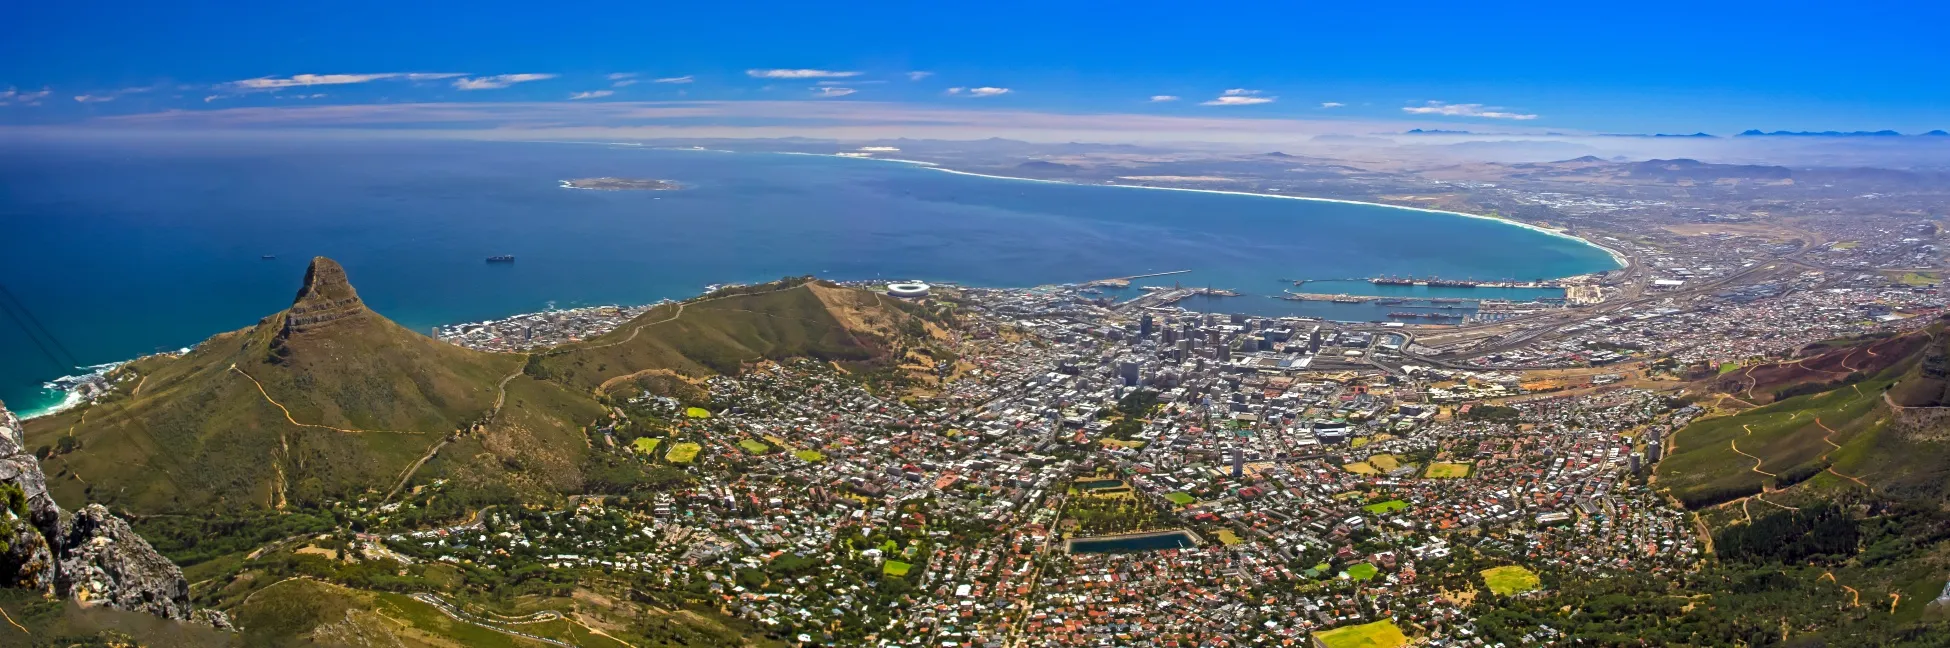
(89, 556)
(325, 298)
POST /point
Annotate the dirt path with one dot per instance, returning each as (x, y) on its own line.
(456, 614)
(287, 411)
(1851, 354)
(607, 384)
(673, 317)
(1857, 602)
(1757, 460)
(1824, 456)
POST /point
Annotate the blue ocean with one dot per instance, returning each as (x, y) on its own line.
(126, 249)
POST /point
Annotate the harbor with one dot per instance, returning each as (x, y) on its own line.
(1436, 282)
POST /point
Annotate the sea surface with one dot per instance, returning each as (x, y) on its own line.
(127, 249)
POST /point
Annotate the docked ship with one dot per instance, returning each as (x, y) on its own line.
(1392, 281)
(1405, 315)
(501, 258)
(1452, 283)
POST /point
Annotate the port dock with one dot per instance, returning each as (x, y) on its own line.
(1123, 282)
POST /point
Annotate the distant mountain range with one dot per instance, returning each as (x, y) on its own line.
(1752, 132)
(1698, 135)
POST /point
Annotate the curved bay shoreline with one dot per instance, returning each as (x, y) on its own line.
(1616, 257)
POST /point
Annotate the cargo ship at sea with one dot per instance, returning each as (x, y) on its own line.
(501, 258)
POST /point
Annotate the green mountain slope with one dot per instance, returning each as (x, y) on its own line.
(324, 398)
(328, 400)
(721, 333)
(1865, 423)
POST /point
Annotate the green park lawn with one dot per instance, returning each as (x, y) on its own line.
(1380, 634)
(1389, 506)
(684, 452)
(1510, 579)
(1448, 470)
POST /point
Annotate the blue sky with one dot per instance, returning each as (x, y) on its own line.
(1606, 67)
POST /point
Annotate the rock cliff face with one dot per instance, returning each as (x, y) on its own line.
(325, 299)
(91, 556)
(103, 561)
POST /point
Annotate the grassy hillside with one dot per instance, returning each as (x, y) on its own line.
(328, 400)
(720, 334)
(325, 398)
(1870, 431)
(305, 611)
(1822, 366)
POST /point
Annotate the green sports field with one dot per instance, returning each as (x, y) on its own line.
(1389, 506)
(1510, 579)
(1380, 634)
(684, 452)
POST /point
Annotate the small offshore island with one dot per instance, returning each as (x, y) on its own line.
(621, 184)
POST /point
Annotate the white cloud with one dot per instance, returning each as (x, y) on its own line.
(1465, 110)
(624, 83)
(262, 84)
(498, 81)
(619, 76)
(1239, 97)
(987, 91)
(678, 79)
(1163, 98)
(827, 92)
(109, 95)
(592, 94)
(1331, 104)
(799, 74)
(13, 96)
(918, 75)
